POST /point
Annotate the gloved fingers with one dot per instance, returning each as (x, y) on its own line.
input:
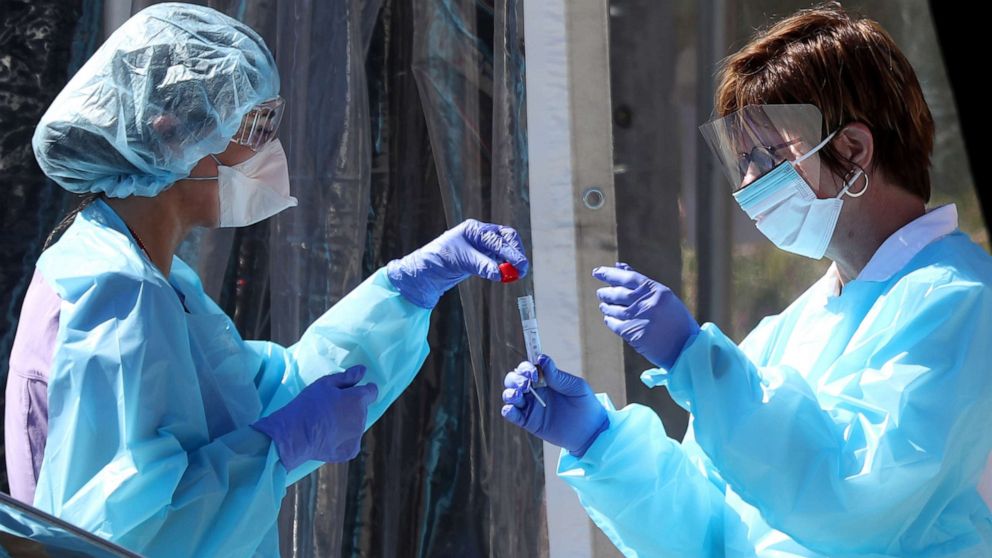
(619, 277)
(347, 418)
(366, 394)
(515, 397)
(617, 326)
(621, 265)
(513, 414)
(515, 252)
(548, 367)
(559, 380)
(348, 378)
(528, 370)
(347, 450)
(517, 380)
(519, 376)
(619, 295)
(616, 311)
(353, 428)
(484, 266)
(493, 248)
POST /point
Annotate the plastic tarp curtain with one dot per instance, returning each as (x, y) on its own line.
(457, 480)
(403, 118)
(442, 474)
(43, 41)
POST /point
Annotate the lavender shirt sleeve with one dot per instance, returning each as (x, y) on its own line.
(26, 412)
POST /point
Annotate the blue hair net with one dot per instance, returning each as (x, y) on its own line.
(169, 87)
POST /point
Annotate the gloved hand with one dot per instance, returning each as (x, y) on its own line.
(573, 419)
(325, 422)
(645, 314)
(471, 248)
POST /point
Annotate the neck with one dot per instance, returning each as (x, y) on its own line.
(877, 218)
(157, 225)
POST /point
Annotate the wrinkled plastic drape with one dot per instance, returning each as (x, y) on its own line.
(44, 42)
(442, 474)
(401, 121)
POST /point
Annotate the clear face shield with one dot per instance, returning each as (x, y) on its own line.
(261, 124)
(752, 141)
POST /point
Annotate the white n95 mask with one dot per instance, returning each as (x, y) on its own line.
(786, 210)
(255, 189)
(252, 190)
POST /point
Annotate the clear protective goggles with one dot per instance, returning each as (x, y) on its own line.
(752, 141)
(261, 124)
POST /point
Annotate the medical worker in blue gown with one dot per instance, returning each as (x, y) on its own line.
(134, 409)
(858, 421)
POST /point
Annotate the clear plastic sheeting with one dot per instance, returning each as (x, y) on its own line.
(44, 42)
(469, 67)
(442, 474)
(381, 165)
(316, 250)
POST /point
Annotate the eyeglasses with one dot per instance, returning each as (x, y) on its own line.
(261, 124)
(761, 159)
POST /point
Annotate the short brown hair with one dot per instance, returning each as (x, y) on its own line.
(850, 69)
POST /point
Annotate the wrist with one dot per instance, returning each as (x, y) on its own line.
(678, 344)
(271, 426)
(403, 275)
(604, 424)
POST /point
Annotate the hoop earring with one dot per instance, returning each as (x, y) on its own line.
(855, 172)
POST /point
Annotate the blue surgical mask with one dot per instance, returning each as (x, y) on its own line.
(786, 210)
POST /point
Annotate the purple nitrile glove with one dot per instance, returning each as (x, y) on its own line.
(573, 418)
(645, 314)
(325, 422)
(471, 248)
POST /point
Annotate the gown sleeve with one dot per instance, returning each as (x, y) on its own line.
(875, 457)
(375, 326)
(647, 495)
(129, 456)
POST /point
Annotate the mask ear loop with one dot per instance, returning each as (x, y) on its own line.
(818, 147)
(813, 151)
(219, 164)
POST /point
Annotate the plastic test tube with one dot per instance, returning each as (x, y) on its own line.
(532, 339)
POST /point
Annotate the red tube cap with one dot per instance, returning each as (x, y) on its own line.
(508, 273)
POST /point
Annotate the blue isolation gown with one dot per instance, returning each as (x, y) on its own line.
(851, 424)
(149, 443)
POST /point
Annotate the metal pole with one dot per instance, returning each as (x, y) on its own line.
(573, 220)
(713, 237)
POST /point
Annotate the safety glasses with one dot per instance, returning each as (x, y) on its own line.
(261, 124)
